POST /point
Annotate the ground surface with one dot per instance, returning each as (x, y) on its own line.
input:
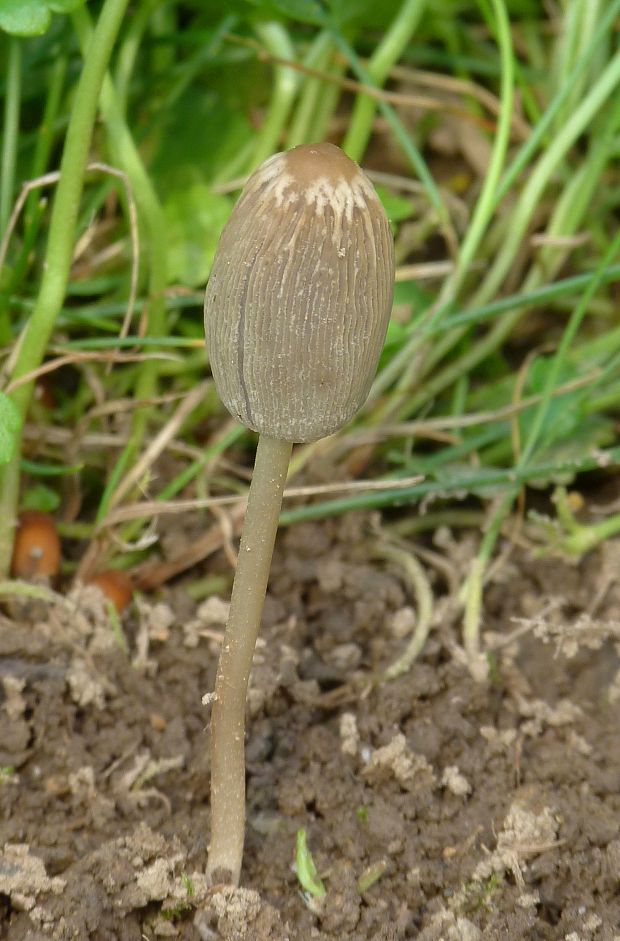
(466, 811)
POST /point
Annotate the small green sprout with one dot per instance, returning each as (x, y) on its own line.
(565, 535)
(307, 874)
(117, 628)
(177, 913)
(371, 875)
(362, 814)
(189, 885)
(494, 674)
(479, 894)
(180, 910)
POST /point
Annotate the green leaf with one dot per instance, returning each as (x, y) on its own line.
(397, 207)
(32, 17)
(586, 434)
(211, 127)
(195, 216)
(24, 17)
(41, 498)
(565, 416)
(39, 469)
(10, 423)
(307, 873)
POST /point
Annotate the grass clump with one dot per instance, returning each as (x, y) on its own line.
(491, 131)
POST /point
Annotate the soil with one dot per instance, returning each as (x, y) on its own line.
(436, 807)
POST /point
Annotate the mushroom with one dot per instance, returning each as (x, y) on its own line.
(115, 585)
(36, 549)
(296, 311)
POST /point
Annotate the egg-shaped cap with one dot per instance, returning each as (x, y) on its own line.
(300, 294)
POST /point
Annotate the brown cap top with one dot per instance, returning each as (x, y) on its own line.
(308, 163)
(319, 175)
(300, 295)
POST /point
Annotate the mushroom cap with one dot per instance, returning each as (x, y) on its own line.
(115, 585)
(36, 549)
(300, 294)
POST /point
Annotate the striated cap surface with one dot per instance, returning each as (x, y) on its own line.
(300, 294)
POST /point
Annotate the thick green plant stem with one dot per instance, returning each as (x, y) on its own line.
(246, 606)
(387, 54)
(9, 152)
(59, 249)
(151, 215)
(10, 129)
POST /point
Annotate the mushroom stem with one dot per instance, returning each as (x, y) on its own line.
(246, 606)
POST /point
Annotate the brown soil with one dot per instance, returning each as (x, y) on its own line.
(467, 811)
